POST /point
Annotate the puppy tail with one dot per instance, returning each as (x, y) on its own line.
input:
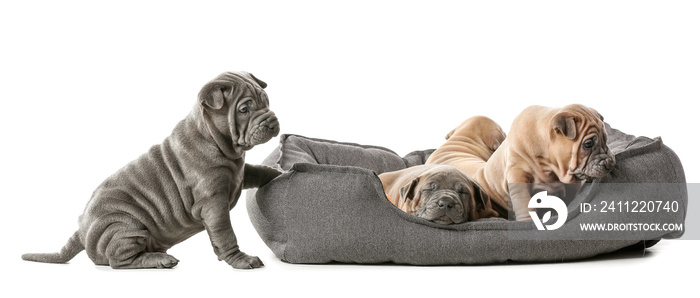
(72, 248)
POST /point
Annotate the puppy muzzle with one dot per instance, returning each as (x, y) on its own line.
(264, 127)
(443, 207)
(598, 166)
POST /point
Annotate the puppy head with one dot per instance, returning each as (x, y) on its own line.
(236, 108)
(580, 137)
(442, 194)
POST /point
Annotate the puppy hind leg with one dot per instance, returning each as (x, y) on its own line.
(127, 250)
(151, 260)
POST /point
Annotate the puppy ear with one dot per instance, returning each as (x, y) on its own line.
(494, 139)
(258, 81)
(484, 208)
(565, 123)
(407, 190)
(449, 134)
(212, 96)
(480, 198)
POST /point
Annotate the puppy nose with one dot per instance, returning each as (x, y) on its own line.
(446, 203)
(273, 125)
(271, 121)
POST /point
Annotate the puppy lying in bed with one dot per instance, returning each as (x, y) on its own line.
(549, 148)
(439, 193)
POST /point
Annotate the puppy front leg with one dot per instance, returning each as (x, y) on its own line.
(519, 191)
(217, 223)
(258, 175)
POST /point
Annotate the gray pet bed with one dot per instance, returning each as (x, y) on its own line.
(330, 206)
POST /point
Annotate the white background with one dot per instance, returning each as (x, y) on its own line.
(88, 86)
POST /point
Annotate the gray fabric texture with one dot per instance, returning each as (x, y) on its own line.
(299, 149)
(330, 206)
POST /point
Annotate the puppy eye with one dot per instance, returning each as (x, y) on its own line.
(588, 144)
(243, 110)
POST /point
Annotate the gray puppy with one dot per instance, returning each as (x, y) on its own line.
(187, 184)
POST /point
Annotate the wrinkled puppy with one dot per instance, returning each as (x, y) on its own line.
(187, 184)
(468, 147)
(545, 147)
(438, 193)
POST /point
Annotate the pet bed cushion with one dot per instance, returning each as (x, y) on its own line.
(329, 206)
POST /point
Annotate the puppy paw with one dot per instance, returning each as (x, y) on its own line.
(268, 174)
(146, 260)
(244, 261)
(158, 260)
(167, 261)
(255, 176)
